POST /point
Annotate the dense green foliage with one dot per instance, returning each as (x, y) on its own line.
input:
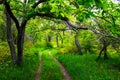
(84, 35)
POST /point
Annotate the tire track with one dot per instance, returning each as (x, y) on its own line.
(64, 71)
(39, 69)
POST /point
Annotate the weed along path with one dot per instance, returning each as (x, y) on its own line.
(39, 68)
(64, 71)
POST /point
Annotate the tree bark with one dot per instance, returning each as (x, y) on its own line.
(105, 45)
(10, 39)
(105, 52)
(20, 42)
(61, 38)
(49, 38)
(57, 42)
(77, 43)
(100, 54)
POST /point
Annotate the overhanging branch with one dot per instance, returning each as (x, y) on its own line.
(76, 26)
(66, 20)
(50, 15)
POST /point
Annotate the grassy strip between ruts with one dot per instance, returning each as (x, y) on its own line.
(50, 70)
(26, 72)
(84, 67)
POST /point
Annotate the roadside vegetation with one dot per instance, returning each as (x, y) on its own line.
(78, 67)
(27, 71)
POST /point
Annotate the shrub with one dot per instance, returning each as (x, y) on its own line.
(4, 52)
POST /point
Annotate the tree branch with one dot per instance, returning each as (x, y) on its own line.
(37, 3)
(104, 19)
(50, 15)
(76, 26)
(63, 19)
(61, 29)
(1, 2)
(8, 9)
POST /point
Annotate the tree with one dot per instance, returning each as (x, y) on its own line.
(10, 39)
(20, 25)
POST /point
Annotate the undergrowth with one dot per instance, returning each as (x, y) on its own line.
(84, 67)
(27, 71)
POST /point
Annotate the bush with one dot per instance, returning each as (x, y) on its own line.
(4, 52)
(67, 49)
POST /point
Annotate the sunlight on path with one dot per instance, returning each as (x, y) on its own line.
(66, 75)
(39, 68)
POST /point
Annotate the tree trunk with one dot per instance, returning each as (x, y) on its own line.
(49, 38)
(61, 38)
(10, 39)
(105, 45)
(100, 54)
(20, 42)
(77, 43)
(57, 42)
(62, 41)
(105, 52)
(63, 33)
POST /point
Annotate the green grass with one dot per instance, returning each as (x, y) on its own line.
(79, 67)
(86, 68)
(26, 72)
(50, 70)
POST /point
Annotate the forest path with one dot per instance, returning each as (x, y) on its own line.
(63, 70)
(39, 68)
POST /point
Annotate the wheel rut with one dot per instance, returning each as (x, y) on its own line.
(63, 70)
(39, 68)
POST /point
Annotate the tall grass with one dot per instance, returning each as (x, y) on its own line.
(86, 68)
(26, 71)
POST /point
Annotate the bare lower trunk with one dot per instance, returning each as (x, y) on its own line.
(100, 54)
(10, 39)
(57, 42)
(20, 42)
(20, 49)
(63, 33)
(62, 41)
(78, 44)
(61, 38)
(105, 52)
(49, 38)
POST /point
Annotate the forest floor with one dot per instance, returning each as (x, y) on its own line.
(50, 64)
